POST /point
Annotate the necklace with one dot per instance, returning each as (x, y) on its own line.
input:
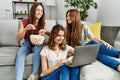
(57, 51)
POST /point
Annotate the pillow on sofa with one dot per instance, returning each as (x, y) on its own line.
(50, 24)
(8, 32)
(95, 29)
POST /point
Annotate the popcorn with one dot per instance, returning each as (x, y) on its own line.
(37, 39)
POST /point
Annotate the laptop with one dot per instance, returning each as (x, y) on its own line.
(84, 55)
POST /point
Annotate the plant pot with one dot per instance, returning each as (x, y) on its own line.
(35, 0)
(20, 0)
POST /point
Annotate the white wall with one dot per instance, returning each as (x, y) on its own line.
(93, 13)
(58, 12)
(61, 11)
(109, 13)
(6, 9)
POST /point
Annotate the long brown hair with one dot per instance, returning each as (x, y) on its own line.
(73, 29)
(54, 33)
(32, 17)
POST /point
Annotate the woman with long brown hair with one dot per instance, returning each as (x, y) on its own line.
(34, 24)
(54, 55)
(77, 34)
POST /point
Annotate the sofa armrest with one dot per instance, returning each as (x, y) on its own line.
(117, 41)
(8, 32)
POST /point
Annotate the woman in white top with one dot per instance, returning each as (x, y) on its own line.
(54, 55)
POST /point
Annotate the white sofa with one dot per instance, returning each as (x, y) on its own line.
(9, 47)
(98, 71)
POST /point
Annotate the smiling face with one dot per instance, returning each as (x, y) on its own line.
(68, 19)
(59, 38)
(38, 12)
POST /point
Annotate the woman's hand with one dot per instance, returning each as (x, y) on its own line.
(107, 45)
(22, 30)
(69, 58)
(29, 27)
(42, 32)
(102, 41)
(60, 63)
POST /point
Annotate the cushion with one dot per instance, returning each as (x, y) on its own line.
(8, 32)
(50, 24)
(62, 22)
(95, 29)
(8, 72)
(8, 56)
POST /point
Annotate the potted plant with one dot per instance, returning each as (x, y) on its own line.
(35, 0)
(82, 5)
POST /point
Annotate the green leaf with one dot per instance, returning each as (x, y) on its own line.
(82, 5)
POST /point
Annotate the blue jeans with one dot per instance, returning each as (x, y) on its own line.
(75, 73)
(20, 59)
(62, 73)
(107, 56)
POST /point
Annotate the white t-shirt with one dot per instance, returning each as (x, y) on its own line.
(86, 32)
(52, 58)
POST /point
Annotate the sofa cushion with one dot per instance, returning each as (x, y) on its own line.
(8, 32)
(8, 72)
(109, 33)
(8, 56)
(62, 22)
(98, 71)
(50, 24)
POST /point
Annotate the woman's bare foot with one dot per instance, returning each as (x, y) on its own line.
(118, 68)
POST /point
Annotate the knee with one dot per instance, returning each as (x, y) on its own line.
(22, 52)
(19, 54)
(38, 48)
(99, 56)
(65, 69)
(20, 57)
(94, 42)
(75, 70)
